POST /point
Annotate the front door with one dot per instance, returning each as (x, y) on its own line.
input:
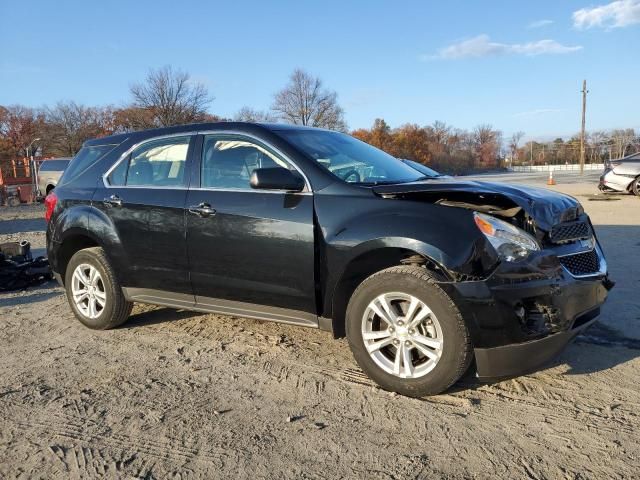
(144, 199)
(245, 245)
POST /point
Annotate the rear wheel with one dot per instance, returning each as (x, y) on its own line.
(93, 292)
(635, 187)
(406, 333)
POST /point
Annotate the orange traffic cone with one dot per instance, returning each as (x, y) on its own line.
(551, 181)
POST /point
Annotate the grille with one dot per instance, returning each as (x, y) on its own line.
(586, 263)
(568, 232)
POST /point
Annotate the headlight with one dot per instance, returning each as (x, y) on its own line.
(510, 242)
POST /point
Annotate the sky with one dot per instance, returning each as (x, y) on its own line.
(518, 66)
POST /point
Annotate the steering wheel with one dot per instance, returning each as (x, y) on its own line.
(352, 173)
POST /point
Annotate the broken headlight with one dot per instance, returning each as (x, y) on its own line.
(510, 242)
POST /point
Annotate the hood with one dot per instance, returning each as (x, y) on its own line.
(544, 206)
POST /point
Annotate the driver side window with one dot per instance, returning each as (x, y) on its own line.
(227, 162)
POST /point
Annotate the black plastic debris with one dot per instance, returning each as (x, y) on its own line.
(18, 268)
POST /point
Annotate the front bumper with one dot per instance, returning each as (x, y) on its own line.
(512, 360)
(525, 313)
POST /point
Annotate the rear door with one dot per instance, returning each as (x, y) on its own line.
(246, 245)
(144, 197)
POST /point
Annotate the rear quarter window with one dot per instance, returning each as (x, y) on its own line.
(86, 157)
(54, 165)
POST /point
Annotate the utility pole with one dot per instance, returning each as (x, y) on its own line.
(582, 137)
(531, 153)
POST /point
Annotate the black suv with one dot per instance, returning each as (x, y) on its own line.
(423, 274)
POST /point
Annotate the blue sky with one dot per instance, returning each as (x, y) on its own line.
(516, 65)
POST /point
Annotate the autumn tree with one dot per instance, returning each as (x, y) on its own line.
(167, 97)
(440, 136)
(412, 142)
(19, 126)
(305, 101)
(381, 136)
(487, 144)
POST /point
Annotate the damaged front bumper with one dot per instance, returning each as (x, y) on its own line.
(525, 313)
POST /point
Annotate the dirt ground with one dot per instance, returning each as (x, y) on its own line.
(182, 395)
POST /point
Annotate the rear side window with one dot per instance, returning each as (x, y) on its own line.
(53, 165)
(159, 163)
(86, 157)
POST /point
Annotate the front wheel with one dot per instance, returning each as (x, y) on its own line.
(635, 187)
(93, 291)
(406, 333)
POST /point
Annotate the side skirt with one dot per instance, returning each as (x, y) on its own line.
(220, 306)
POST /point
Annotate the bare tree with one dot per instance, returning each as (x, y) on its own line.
(622, 139)
(487, 144)
(68, 125)
(171, 97)
(304, 101)
(596, 141)
(513, 144)
(248, 114)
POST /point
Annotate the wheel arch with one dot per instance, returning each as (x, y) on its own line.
(74, 240)
(373, 257)
(85, 229)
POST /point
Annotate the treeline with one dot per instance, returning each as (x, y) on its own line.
(170, 97)
(599, 146)
(166, 97)
(453, 150)
(447, 149)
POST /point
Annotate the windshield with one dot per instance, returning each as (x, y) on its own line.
(350, 159)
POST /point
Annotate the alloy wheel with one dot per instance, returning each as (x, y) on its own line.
(88, 291)
(402, 335)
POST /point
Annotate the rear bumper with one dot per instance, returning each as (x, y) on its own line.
(512, 360)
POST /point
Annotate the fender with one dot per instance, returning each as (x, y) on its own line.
(101, 227)
(89, 222)
(444, 235)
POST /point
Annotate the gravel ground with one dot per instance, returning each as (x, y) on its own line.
(175, 394)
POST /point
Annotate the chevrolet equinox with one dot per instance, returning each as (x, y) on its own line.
(423, 274)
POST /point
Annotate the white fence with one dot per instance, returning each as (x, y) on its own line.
(546, 168)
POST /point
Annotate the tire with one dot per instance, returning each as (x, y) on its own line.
(400, 287)
(635, 187)
(102, 290)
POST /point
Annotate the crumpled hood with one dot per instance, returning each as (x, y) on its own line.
(546, 207)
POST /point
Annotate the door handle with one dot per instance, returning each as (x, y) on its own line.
(202, 210)
(113, 200)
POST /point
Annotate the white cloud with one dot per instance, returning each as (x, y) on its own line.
(482, 46)
(539, 111)
(621, 13)
(540, 23)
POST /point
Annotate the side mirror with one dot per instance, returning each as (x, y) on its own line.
(276, 178)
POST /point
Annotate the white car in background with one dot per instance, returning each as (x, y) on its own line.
(50, 172)
(622, 175)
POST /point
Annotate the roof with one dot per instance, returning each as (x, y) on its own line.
(190, 127)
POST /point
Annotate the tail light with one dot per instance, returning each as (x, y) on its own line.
(49, 204)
